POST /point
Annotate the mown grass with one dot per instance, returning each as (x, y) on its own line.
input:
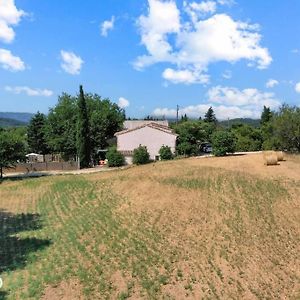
(199, 233)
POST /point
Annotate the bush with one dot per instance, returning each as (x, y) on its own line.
(223, 142)
(140, 155)
(165, 153)
(115, 158)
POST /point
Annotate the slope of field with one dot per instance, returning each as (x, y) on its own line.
(188, 229)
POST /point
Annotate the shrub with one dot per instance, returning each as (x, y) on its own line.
(165, 153)
(115, 158)
(223, 142)
(140, 155)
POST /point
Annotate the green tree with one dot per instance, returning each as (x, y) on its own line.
(247, 137)
(12, 149)
(286, 128)
(165, 153)
(266, 115)
(184, 118)
(61, 127)
(191, 134)
(223, 142)
(114, 157)
(36, 134)
(83, 132)
(106, 118)
(141, 155)
(210, 116)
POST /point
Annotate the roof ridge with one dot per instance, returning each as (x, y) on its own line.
(153, 125)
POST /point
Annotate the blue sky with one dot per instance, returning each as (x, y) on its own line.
(150, 55)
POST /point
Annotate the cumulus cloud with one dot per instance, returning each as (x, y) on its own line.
(227, 102)
(197, 10)
(29, 91)
(9, 16)
(123, 103)
(246, 97)
(163, 18)
(297, 87)
(194, 45)
(185, 76)
(195, 111)
(71, 63)
(271, 83)
(107, 25)
(10, 62)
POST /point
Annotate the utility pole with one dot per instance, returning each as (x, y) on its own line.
(177, 113)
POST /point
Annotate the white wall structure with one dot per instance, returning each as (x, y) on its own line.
(151, 135)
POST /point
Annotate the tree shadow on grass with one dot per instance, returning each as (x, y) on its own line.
(3, 295)
(14, 251)
(25, 176)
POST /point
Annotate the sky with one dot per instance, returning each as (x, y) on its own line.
(151, 55)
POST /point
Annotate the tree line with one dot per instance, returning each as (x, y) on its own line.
(79, 126)
(278, 130)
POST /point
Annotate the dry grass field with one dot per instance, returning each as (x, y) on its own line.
(199, 228)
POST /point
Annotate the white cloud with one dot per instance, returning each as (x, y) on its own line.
(29, 91)
(71, 63)
(226, 2)
(271, 83)
(163, 18)
(9, 16)
(10, 62)
(184, 76)
(227, 102)
(247, 97)
(197, 10)
(107, 26)
(297, 87)
(227, 74)
(195, 45)
(195, 111)
(123, 103)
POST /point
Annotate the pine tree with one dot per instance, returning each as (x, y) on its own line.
(83, 132)
(184, 118)
(210, 116)
(36, 134)
(266, 115)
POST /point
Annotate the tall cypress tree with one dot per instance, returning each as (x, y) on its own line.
(83, 132)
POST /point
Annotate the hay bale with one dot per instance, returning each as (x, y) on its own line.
(280, 155)
(271, 160)
(269, 152)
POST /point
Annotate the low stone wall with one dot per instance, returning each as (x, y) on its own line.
(46, 166)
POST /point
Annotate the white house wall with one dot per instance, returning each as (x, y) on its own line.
(146, 136)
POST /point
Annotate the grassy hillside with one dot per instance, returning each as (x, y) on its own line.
(171, 230)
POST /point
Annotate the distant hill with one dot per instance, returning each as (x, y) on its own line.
(248, 121)
(21, 117)
(6, 122)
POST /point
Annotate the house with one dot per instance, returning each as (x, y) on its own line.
(152, 134)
